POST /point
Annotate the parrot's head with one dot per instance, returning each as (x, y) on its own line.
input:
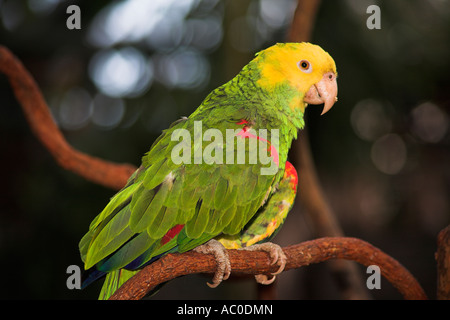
(305, 67)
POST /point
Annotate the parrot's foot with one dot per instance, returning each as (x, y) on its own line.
(223, 271)
(276, 254)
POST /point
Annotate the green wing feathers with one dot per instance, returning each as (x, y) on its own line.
(203, 200)
(269, 218)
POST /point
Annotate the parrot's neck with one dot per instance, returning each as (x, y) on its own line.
(278, 108)
(281, 108)
(281, 104)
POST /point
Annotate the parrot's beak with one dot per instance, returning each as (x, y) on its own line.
(325, 91)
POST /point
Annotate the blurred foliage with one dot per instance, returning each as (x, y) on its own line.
(135, 66)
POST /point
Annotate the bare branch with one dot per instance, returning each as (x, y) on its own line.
(312, 197)
(244, 262)
(304, 19)
(443, 264)
(38, 115)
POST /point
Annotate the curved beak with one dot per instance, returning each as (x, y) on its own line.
(325, 91)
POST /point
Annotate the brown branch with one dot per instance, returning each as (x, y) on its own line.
(248, 262)
(443, 264)
(102, 172)
(312, 197)
(303, 21)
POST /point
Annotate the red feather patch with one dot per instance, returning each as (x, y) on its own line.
(172, 233)
(289, 171)
(273, 151)
(243, 121)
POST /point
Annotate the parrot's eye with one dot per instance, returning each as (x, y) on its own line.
(305, 66)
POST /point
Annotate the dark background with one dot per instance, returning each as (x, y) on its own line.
(382, 152)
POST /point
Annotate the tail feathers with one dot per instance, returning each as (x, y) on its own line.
(90, 276)
(114, 281)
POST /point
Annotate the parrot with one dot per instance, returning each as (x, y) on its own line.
(173, 203)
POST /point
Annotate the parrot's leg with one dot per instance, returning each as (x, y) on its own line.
(266, 223)
(215, 248)
(276, 254)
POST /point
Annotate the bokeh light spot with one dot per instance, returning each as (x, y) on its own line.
(134, 20)
(369, 119)
(43, 6)
(389, 154)
(184, 69)
(107, 112)
(75, 109)
(430, 123)
(123, 72)
(12, 14)
(278, 13)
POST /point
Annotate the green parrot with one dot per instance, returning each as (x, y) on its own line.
(196, 190)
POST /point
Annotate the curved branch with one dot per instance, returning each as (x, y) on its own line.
(102, 172)
(247, 262)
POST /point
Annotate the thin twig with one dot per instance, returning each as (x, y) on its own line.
(244, 262)
(38, 115)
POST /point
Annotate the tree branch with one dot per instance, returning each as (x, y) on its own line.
(443, 264)
(38, 115)
(312, 197)
(303, 21)
(247, 262)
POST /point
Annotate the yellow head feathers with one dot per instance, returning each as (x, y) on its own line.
(304, 66)
(282, 62)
